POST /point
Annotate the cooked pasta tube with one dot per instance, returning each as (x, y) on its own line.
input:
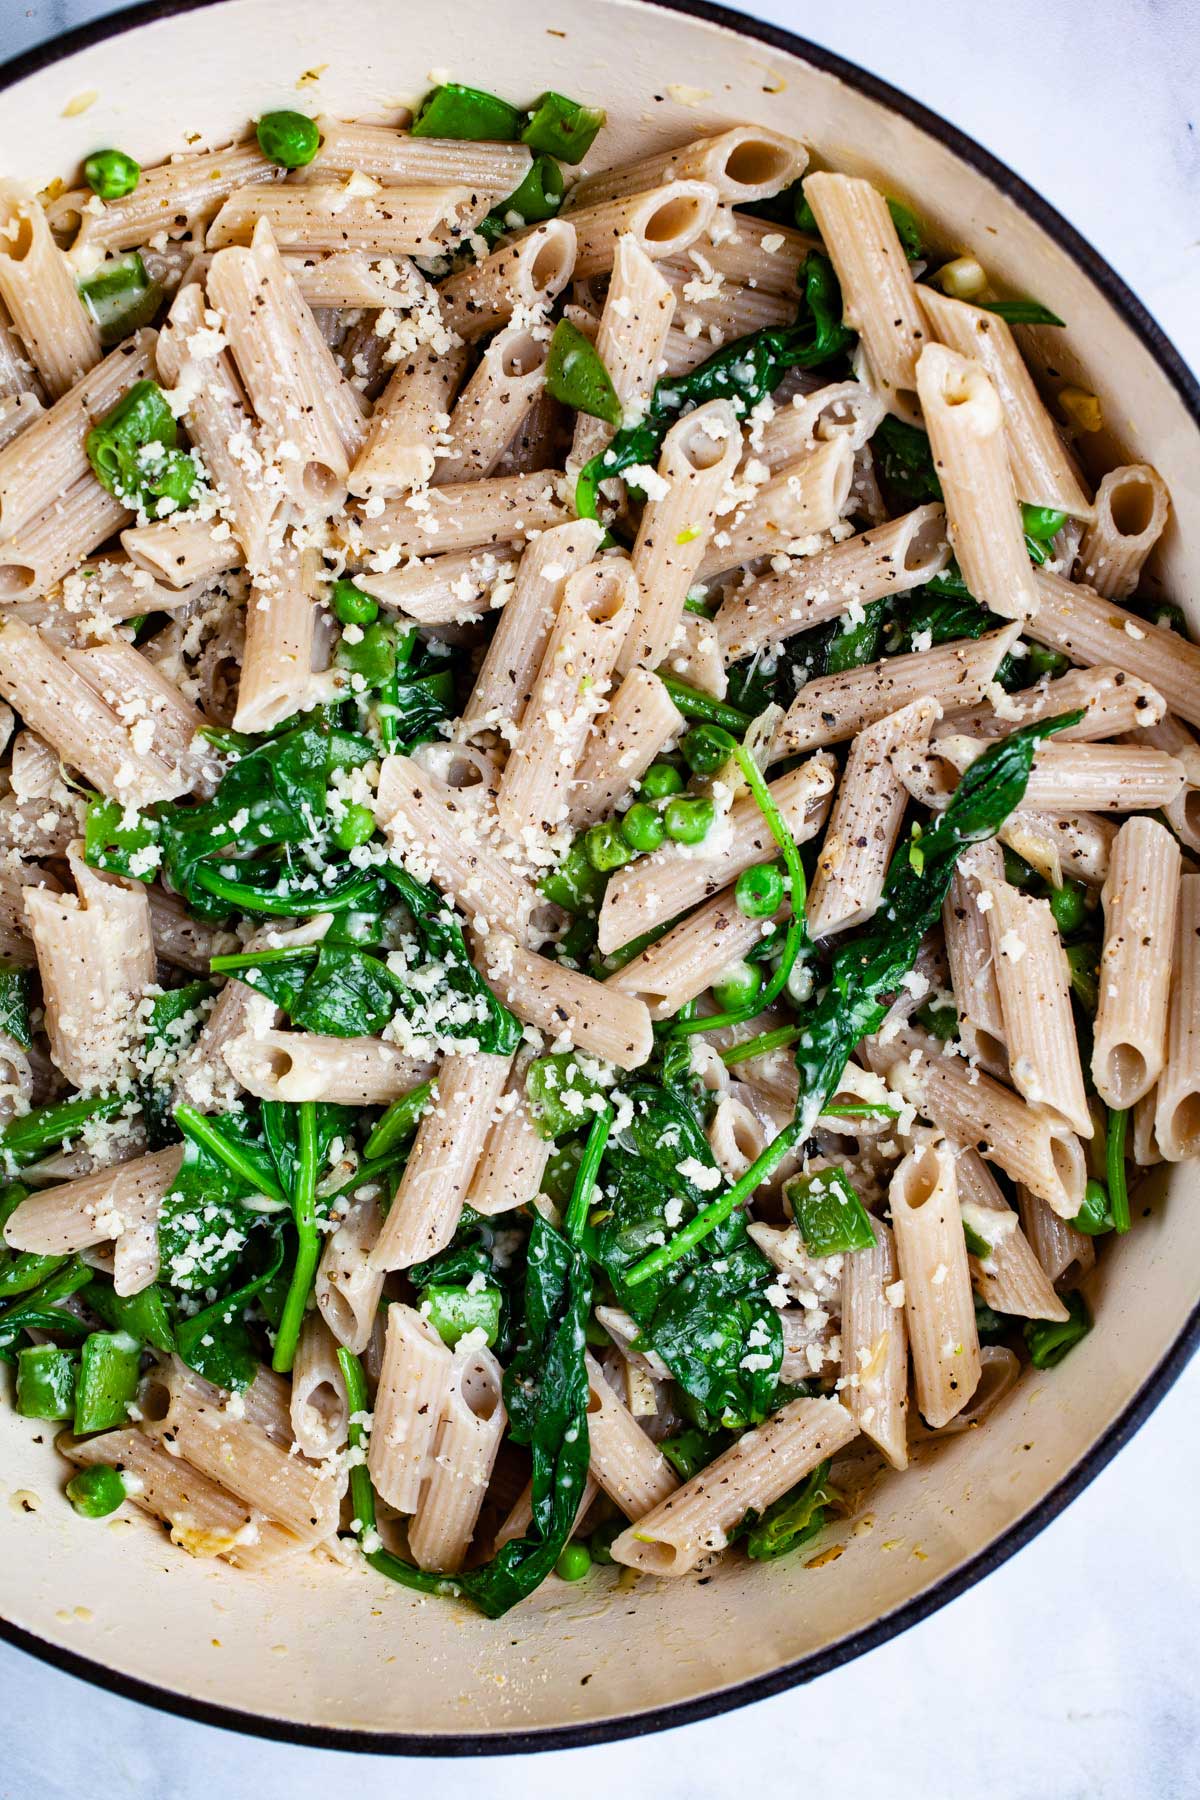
(745, 163)
(202, 1077)
(932, 1254)
(413, 1384)
(303, 1065)
(181, 551)
(665, 221)
(1112, 702)
(507, 380)
(1010, 1279)
(836, 707)
(1059, 1248)
(469, 1432)
(317, 1404)
(1034, 984)
(641, 719)
(400, 452)
(412, 220)
(1087, 777)
(397, 159)
(506, 676)
(425, 1211)
(762, 1465)
(176, 198)
(38, 291)
(710, 307)
(96, 1209)
(966, 434)
(839, 409)
(444, 590)
(161, 721)
(1131, 514)
(1140, 898)
(804, 499)
(463, 516)
(698, 457)
(879, 297)
(874, 1334)
(695, 656)
(58, 539)
(277, 656)
(1177, 1108)
(529, 272)
(1183, 813)
(434, 834)
(180, 1409)
(509, 1172)
(347, 1289)
(605, 1020)
(690, 957)
(1042, 469)
(889, 559)
(1055, 844)
(596, 610)
(520, 1514)
(627, 1464)
(1092, 630)
(673, 879)
(970, 955)
(202, 1516)
(638, 310)
(867, 812)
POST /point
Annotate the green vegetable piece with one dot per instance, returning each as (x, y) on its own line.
(908, 229)
(1049, 1340)
(1041, 523)
(904, 462)
(576, 376)
(46, 1382)
(356, 826)
(976, 1245)
(142, 1316)
(1044, 661)
(758, 891)
(308, 1242)
(538, 197)
(1068, 903)
(942, 1021)
(829, 1215)
(108, 1379)
(132, 452)
(111, 174)
(605, 848)
(563, 128)
(707, 748)
(1094, 1217)
(467, 113)
(574, 885)
(120, 297)
(96, 1491)
(1169, 617)
(737, 986)
(1083, 964)
(642, 827)
(1114, 1168)
(110, 844)
(1021, 312)
(690, 1450)
(15, 988)
(371, 657)
(27, 1138)
(601, 1540)
(560, 1095)
(1019, 874)
(688, 821)
(288, 138)
(574, 1562)
(696, 705)
(992, 1327)
(792, 1520)
(660, 781)
(351, 606)
(453, 1311)
(399, 1122)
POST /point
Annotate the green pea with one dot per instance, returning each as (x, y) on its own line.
(688, 821)
(351, 606)
(600, 1542)
(605, 848)
(111, 174)
(707, 748)
(739, 985)
(1068, 903)
(355, 827)
(1169, 617)
(1044, 661)
(1017, 871)
(759, 891)
(1041, 523)
(660, 781)
(97, 1491)
(642, 827)
(288, 138)
(574, 1562)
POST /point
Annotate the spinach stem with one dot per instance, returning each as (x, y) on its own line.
(308, 1242)
(1114, 1163)
(694, 704)
(585, 1176)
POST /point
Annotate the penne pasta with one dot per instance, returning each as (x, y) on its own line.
(931, 1252)
(1140, 897)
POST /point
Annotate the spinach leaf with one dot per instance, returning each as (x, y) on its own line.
(791, 1520)
(904, 464)
(15, 986)
(464, 1006)
(204, 1223)
(173, 1022)
(330, 988)
(216, 1341)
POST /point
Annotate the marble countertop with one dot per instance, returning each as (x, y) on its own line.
(1072, 1671)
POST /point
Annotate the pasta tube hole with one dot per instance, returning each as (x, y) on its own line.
(1132, 506)
(758, 163)
(1185, 1125)
(678, 218)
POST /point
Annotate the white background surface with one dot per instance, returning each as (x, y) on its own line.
(1073, 1671)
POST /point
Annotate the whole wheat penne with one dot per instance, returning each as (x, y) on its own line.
(596, 1016)
(1140, 899)
(1086, 777)
(1058, 843)
(1010, 1279)
(408, 220)
(96, 1209)
(469, 1432)
(638, 310)
(865, 823)
(874, 1334)
(463, 516)
(673, 879)
(1043, 472)
(160, 720)
(597, 608)
(176, 198)
(736, 1135)
(695, 656)
(1177, 1106)
(640, 720)
(804, 499)
(879, 297)
(1131, 514)
(506, 382)
(17, 413)
(763, 1464)
(530, 272)
(277, 656)
(400, 452)
(182, 941)
(425, 1211)
(1183, 813)
(630, 1468)
(1034, 985)
(1058, 1246)
(445, 590)
(689, 957)
(845, 409)
(347, 1289)
(514, 1158)
(182, 551)
(303, 1065)
(317, 1405)
(932, 1254)
(969, 952)
(664, 220)
(1093, 630)
(38, 291)
(745, 163)
(837, 707)
(716, 309)
(698, 456)
(889, 559)
(396, 158)
(520, 1514)
(54, 543)
(203, 1078)
(965, 422)
(1112, 703)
